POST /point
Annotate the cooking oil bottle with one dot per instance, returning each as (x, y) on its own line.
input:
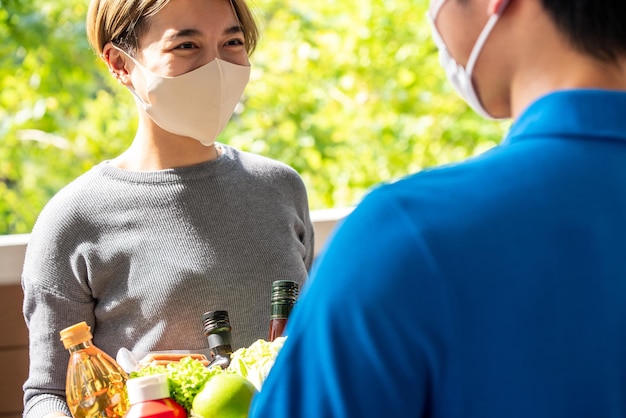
(95, 384)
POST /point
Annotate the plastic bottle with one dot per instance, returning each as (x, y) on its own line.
(95, 383)
(284, 296)
(216, 325)
(149, 397)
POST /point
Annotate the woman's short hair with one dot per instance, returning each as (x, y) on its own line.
(124, 21)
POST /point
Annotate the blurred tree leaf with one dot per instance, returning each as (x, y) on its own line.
(349, 93)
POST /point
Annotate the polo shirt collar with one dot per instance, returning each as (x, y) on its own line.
(573, 113)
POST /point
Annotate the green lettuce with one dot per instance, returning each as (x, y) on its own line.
(187, 376)
(254, 362)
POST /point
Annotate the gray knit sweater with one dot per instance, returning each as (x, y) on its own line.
(140, 256)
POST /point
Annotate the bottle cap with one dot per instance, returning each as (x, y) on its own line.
(215, 321)
(284, 296)
(76, 334)
(284, 291)
(147, 388)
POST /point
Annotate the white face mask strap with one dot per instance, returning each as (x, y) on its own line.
(435, 10)
(143, 70)
(482, 38)
(141, 67)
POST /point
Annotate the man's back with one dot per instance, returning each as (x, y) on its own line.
(530, 256)
(491, 288)
(495, 287)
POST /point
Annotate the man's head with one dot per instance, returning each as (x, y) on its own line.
(519, 50)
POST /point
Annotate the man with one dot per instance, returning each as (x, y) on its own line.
(494, 287)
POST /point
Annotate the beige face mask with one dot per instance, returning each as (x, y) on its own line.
(197, 104)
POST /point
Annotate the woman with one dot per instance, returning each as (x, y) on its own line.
(141, 245)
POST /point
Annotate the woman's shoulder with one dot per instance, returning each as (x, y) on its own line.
(73, 202)
(82, 185)
(255, 163)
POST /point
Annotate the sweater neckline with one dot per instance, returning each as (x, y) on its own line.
(172, 175)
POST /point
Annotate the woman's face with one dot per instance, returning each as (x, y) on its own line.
(187, 34)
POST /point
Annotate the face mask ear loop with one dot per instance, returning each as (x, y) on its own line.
(478, 46)
(143, 72)
(482, 38)
(435, 12)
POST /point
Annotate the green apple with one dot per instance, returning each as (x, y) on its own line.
(225, 395)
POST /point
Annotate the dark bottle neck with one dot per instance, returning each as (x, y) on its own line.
(277, 328)
(281, 309)
(221, 349)
(220, 341)
(222, 361)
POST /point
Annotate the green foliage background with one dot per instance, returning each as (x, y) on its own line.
(349, 93)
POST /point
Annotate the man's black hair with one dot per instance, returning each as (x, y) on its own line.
(594, 27)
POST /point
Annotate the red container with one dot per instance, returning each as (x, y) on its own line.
(160, 408)
(149, 397)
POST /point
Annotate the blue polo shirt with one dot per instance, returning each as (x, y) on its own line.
(491, 288)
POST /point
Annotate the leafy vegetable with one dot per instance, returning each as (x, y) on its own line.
(255, 362)
(186, 378)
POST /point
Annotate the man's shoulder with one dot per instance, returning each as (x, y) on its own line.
(456, 179)
(472, 189)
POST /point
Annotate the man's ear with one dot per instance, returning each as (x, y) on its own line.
(118, 63)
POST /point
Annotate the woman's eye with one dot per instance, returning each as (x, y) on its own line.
(235, 42)
(186, 45)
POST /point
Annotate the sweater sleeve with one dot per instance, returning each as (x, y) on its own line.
(308, 237)
(55, 297)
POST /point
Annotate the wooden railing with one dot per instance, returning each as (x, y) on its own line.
(14, 340)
